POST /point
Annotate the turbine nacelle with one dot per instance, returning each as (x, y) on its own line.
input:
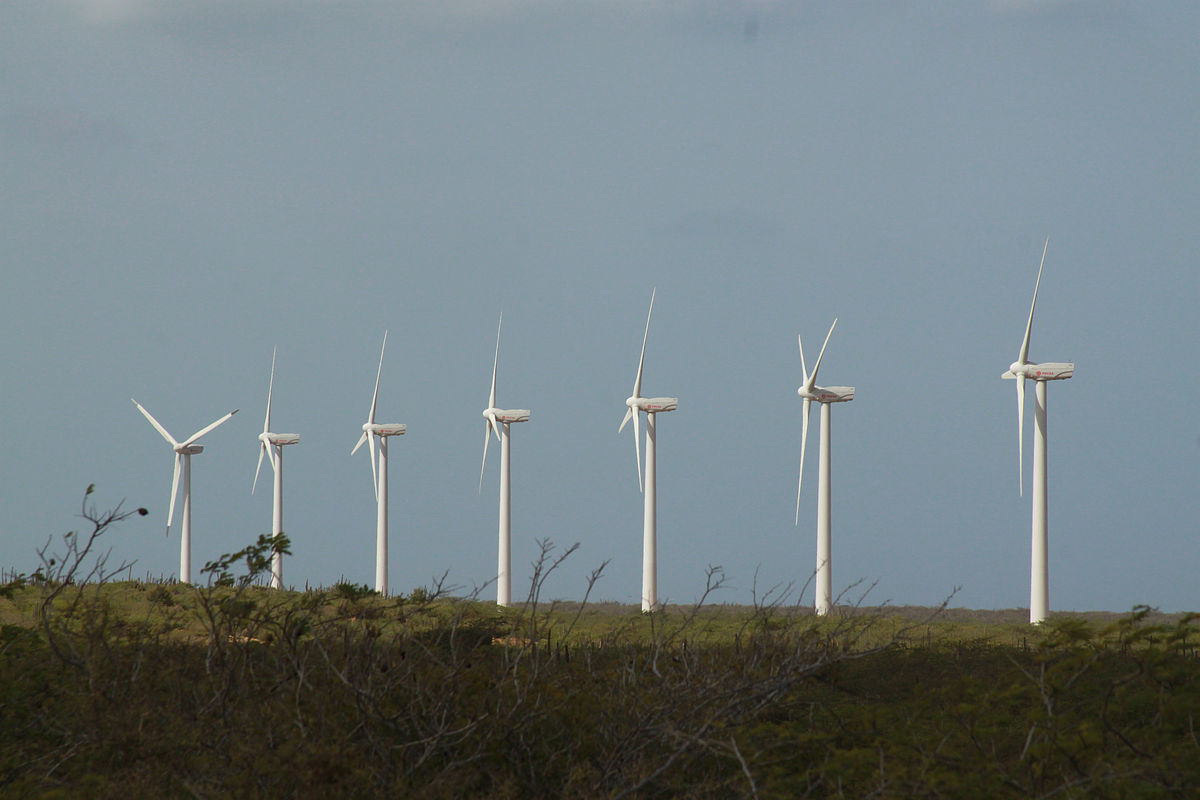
(652, 405)
(384, 428)
(508, 415)
(189, 449)
(279, 438)
(827, 394)
(1048, 371)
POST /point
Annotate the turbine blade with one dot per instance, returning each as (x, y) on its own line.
(637, 381)
(154, 422)
(495, 363)
(803, 366)
(375, 396)
(803, 446)
(270, 389)
(361, 441)
(1023, 358)
(625, 419)
(374, 474)
(174, 491)
(1021, 434)
(487, 435)
(637, 448)
(208, 428)
(262, 448)
(812, 379)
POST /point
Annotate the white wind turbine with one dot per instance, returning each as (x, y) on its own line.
(271, 445)
(826, 396)
(497, 421)
(183, 463)
(1021, 369)
(371, 429)
(650, 406)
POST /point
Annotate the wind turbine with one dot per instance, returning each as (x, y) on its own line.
(371, 429)
(497, 421)
(271, 445)
(1021, 369)
(826, 396)
(183, 463)
(650, 406)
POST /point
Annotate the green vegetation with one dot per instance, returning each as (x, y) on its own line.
(114, 689)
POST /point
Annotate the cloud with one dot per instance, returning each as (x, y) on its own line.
(1028, 6)
(58, 125)
(429, 11)
(114, 11)
(107, 12)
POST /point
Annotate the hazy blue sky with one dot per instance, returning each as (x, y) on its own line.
(185, 184)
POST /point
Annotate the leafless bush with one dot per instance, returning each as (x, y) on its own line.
(74, 617)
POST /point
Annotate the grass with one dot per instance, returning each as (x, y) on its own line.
(178, 610)
(129, 688)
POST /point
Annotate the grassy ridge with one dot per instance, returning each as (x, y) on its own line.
(216, 692)
(131, 689)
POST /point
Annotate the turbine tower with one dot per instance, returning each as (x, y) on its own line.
(650, 406)
(1021, 369)
(183, 463)
(826, 396)
(497, 421)
(271, 445)
(371, 429)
